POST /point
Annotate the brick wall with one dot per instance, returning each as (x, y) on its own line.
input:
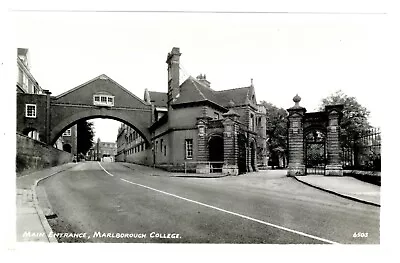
(184, 117)
(73, 139)
(162, 154)
(38, 123)
(143, 157)
(33, 155)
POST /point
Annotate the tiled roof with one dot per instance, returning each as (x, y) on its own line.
(193, 90)
(238, 96)
(158, 98)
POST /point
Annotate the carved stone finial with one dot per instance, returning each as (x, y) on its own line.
(297, 100)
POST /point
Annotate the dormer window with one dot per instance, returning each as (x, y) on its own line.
(103, 100)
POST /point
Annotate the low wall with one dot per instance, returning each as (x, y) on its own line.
(143, 158)
(366, 176)
(33, 155)
(177, 168)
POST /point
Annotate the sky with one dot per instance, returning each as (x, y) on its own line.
(312, 55)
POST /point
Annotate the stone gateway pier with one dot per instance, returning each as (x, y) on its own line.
(313, 140)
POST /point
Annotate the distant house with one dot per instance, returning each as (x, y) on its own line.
(103, 151)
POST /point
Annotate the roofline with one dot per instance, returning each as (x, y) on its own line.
(96, 78)
(20, 88)
(158, 92)
(232, 89)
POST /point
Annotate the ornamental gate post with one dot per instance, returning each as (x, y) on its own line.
(202, 149)
(231, 148)
(296, 165)
(334, 165)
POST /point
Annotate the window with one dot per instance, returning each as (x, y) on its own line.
(156, 146)
(189, 148)
(34, 135)
(161, 145)
(251, 122)
(30, 110)
(103, 100)
(165, 150)
(67, 133)
(20, 76)
(216, 116)
(30, 87)
(25, 82)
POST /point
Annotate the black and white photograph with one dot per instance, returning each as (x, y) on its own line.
(197, 124)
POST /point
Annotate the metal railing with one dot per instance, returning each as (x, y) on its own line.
(363, 152)
(214, 167)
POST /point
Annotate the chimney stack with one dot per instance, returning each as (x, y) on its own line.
(173, 74)
(202, 79)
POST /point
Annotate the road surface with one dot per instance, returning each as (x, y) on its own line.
(110, 202)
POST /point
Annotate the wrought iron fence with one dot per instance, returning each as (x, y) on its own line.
(363, 152)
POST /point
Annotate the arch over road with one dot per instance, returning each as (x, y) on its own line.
(100, 97)
(127, 117)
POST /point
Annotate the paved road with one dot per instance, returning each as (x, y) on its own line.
(103, 202)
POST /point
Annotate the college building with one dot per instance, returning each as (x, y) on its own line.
(27, 86)
(196, 128)
(102, 151)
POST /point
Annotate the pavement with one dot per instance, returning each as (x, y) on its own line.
(345, 186)
(32, 225)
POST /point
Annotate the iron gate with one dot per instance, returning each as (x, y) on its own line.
(242, 153)
(315, 152)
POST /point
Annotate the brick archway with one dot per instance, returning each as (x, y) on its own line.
(253, 155)
(216, 151)
(100, 97)
(67, 147)
(99, 113)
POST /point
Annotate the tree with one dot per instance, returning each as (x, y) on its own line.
(355, 116)
(85, 136)
(277, 130)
